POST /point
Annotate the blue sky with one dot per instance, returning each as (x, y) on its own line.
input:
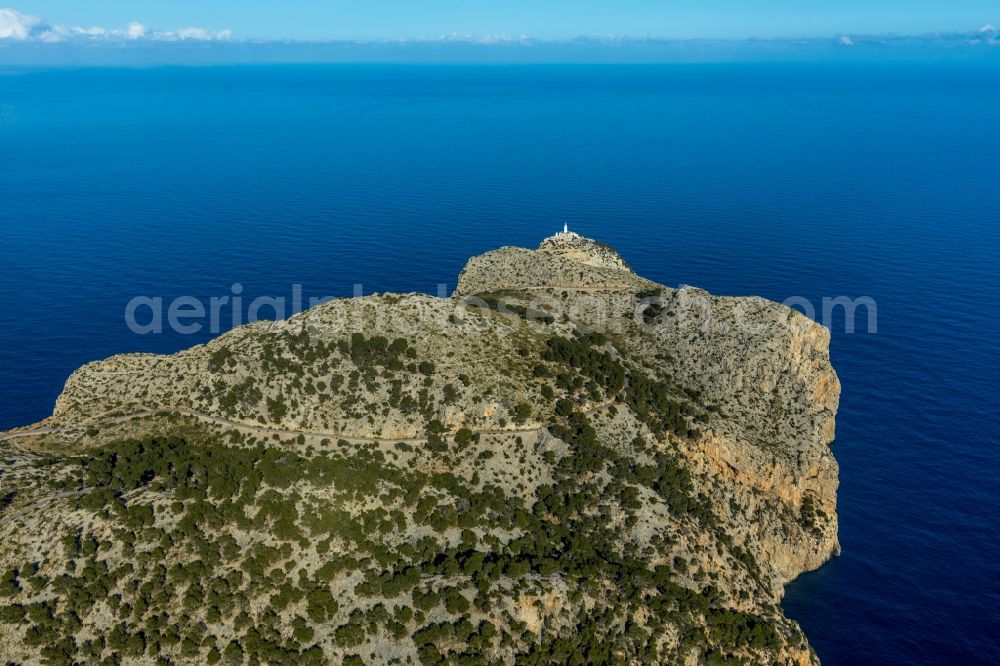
(544, 19)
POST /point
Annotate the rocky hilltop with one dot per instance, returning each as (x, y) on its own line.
(564, 462)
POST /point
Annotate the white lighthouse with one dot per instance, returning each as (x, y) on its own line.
(566, 233)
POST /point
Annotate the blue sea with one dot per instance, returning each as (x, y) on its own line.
(783, 180)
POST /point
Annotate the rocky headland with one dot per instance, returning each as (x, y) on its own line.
(563, 462)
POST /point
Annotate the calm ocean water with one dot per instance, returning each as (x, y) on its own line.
(777, 180)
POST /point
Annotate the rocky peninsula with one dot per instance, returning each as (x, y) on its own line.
(563, 462)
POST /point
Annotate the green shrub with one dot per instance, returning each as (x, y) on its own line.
(349, 635)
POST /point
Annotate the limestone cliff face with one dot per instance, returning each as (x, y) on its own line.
(766, 369)
(607, 466)
(762, 369)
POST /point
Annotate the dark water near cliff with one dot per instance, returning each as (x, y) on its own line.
(778, 180)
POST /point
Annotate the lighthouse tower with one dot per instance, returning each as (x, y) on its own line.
(566, 233)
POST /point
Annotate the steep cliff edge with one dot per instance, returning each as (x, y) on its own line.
(761, 369)
(562, 462)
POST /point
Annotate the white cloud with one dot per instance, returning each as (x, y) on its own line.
(845, 40)
(16, 26)
(189, 35)
(95, 31)
(469, 38)
(200, 34)
(135, 30)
